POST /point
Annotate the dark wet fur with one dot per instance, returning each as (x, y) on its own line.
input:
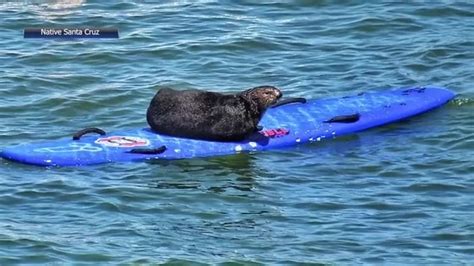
(209, 115)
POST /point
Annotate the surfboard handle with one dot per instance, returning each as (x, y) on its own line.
(81, 133)
(344, 119)
(148, 151)
(288, 101)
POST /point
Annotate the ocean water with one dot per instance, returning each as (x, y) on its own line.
(398, 194)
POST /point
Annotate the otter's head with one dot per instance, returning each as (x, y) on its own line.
(264, 96)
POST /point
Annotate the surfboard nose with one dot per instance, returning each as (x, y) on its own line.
(443, 93)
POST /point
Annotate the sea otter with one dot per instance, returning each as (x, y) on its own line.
(210, 115)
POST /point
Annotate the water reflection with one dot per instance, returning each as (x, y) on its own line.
(63, 4)
(46, 9)
(237, 172)
(51, 4)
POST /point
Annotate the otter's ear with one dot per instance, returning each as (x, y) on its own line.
(246, 93)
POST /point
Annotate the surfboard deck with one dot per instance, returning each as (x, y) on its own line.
(283, 126)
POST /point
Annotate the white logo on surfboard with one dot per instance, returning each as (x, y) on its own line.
(123, 141)
(72, 147)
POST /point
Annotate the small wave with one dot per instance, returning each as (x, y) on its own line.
(444, 11)
(429, 187)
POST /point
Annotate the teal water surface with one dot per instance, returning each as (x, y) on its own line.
(399, 194)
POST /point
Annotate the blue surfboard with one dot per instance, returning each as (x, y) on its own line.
(283, 126)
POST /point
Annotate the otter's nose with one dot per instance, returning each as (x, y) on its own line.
(279, 94)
